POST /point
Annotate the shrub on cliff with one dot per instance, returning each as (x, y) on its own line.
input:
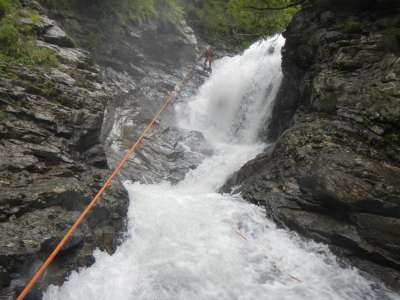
(5, 6)
(17, 40)
(125, 10)
(239, 21)
(9, 38)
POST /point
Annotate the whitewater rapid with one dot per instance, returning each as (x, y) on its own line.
(187, 241)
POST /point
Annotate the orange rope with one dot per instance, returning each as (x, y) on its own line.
(243, 237)
(93, 202)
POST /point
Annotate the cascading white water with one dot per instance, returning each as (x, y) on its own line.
(232, 105)
(186, 241)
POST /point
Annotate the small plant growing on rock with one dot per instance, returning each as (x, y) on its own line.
(18, 41)
(352, 25)
(5, 6)
(3, 116)
(9, 38)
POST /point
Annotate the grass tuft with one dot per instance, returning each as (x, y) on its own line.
(18, 42)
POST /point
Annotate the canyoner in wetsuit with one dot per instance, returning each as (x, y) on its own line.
(208, 58)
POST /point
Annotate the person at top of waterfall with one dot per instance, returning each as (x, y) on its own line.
(208, 58)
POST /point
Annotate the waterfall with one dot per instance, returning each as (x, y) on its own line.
(186, 241)
(233, 104)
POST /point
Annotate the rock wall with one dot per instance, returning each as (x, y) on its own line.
(63, 128)
(333, 172)
(52, 163)
(141, 64)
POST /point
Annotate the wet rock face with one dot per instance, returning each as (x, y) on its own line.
(162, 154)
(63, 129)
(51, 163)
(334, 171)
(141, 64)
(168, 153)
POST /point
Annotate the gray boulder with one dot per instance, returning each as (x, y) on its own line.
(55, 35)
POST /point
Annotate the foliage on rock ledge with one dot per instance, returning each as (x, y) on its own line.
(235, 21)
(18, 36)
(239, 21)
(126, 10)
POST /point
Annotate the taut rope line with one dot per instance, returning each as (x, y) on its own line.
(93, 202)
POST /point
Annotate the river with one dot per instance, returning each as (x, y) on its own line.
(187, 241)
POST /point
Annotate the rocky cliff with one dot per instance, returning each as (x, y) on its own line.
(62, 128)
(333, 171)
(141, 64)
(52, 162)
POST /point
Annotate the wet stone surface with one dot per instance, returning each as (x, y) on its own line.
(334, 171)
(62, 130)
(51, 163)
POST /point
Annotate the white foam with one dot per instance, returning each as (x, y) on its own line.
(189, 242)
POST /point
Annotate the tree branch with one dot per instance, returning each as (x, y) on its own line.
(276, 8)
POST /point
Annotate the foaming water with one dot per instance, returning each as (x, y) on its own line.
(186, 241)
(235, 102)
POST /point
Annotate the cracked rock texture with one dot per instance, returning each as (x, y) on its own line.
(141, 64)
(333, 171)
(62, 130)
(51, 163)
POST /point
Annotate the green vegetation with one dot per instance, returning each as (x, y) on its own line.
(49, 88)
(393, 31)
(392, 137)
(238, 21)
(352, 25)
(18, 39)
(230, 20)
(139, 11)
(3, 115)
(5, 6)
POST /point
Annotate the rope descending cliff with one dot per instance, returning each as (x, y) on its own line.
(106, 185)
